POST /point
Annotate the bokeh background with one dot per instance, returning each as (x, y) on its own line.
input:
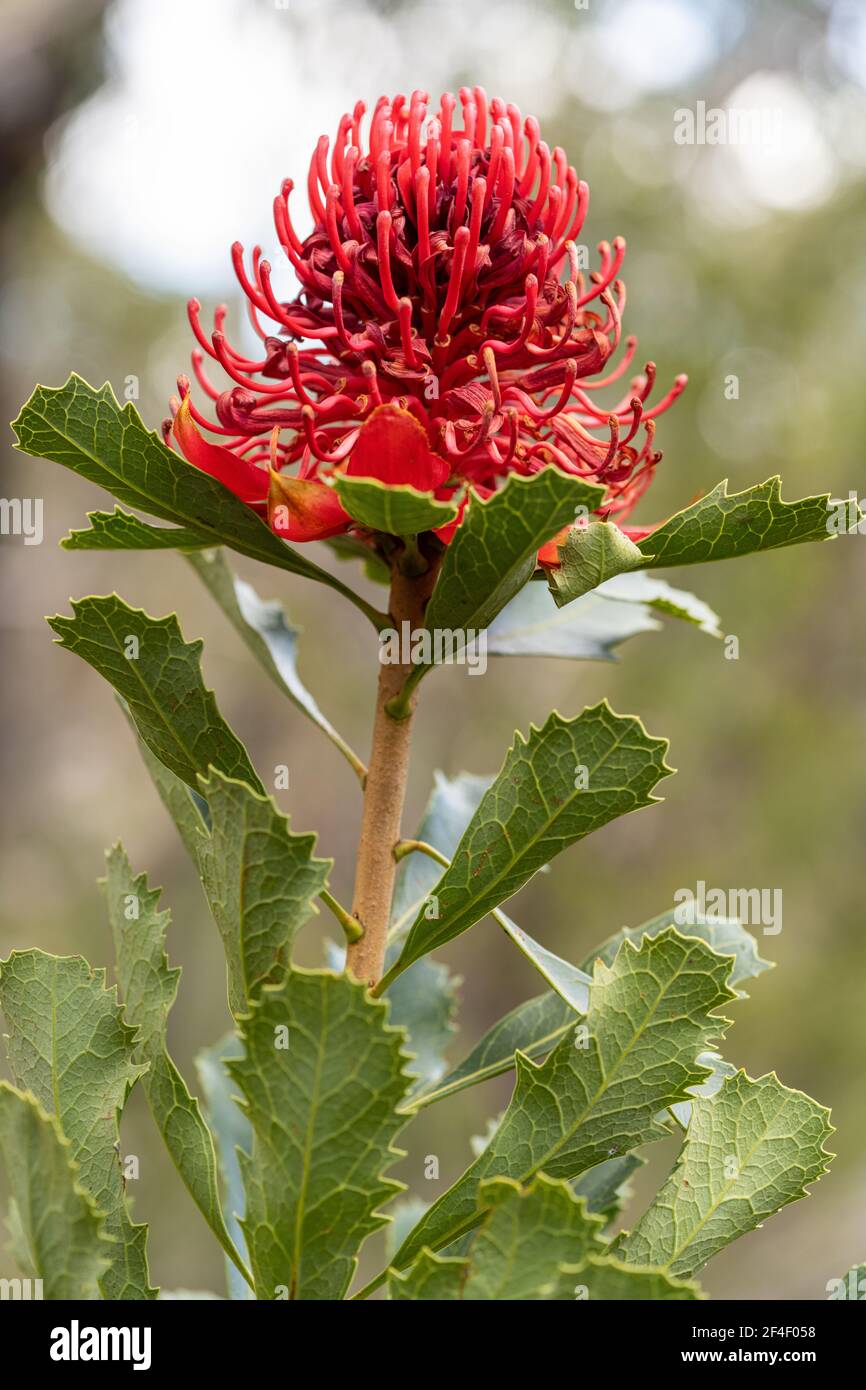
(139, 138)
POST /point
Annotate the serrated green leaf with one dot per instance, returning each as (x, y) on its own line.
(120, 530)
(149, 988)
(588, 556)
(524, 1236)
(395, 509)
(231, 1131)
(599, 1092)
(87, 431)
(260, 880)
(494, 550)
(751, 1149)
(264, 627)
(726, 936)
(159, 677)
(535, 1026)
(603, 1277)
(540, 803)
(69, 1045)
(55, 1217)
(431, 1279)
(722, 525)
(323, 1110)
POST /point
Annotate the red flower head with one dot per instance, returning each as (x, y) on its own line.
(445, 332)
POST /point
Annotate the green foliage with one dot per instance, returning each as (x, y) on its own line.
(263, 626)
(158, 675)
(149, 987)
(396, 510)
(565, 780)
(591, 627)
(322, 1077)
(719, 526)
(493, 552)
(751, 1149)
(59, 1228)
(120, 530)
(69, 1045)
(601, 1089)
(289, 1157)
(259, 879)
(87, 431)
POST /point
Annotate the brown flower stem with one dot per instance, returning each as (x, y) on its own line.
(385, 789)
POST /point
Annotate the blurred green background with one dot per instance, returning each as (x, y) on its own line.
(138, 139)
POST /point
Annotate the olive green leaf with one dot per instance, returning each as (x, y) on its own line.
(69, 1045)
(120, 530)
(567, 779)
(264, 627)
(723, 525)
(149, 987)
(601, 1089)
(159, 677)
(87, 431)
(718, 526)
(432, 1279)
(750, 1149)
(322, 1077)
(604, 1277)
(535, 1026)
(524, 1236)
(396, 509)
(260, 879)
(56, 1219)
(588, 556)
(495, 548)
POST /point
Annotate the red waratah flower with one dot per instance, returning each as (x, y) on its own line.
(444, 334)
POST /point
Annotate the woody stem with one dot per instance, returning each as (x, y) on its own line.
(385, 789)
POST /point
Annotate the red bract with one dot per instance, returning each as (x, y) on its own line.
(444, 333)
